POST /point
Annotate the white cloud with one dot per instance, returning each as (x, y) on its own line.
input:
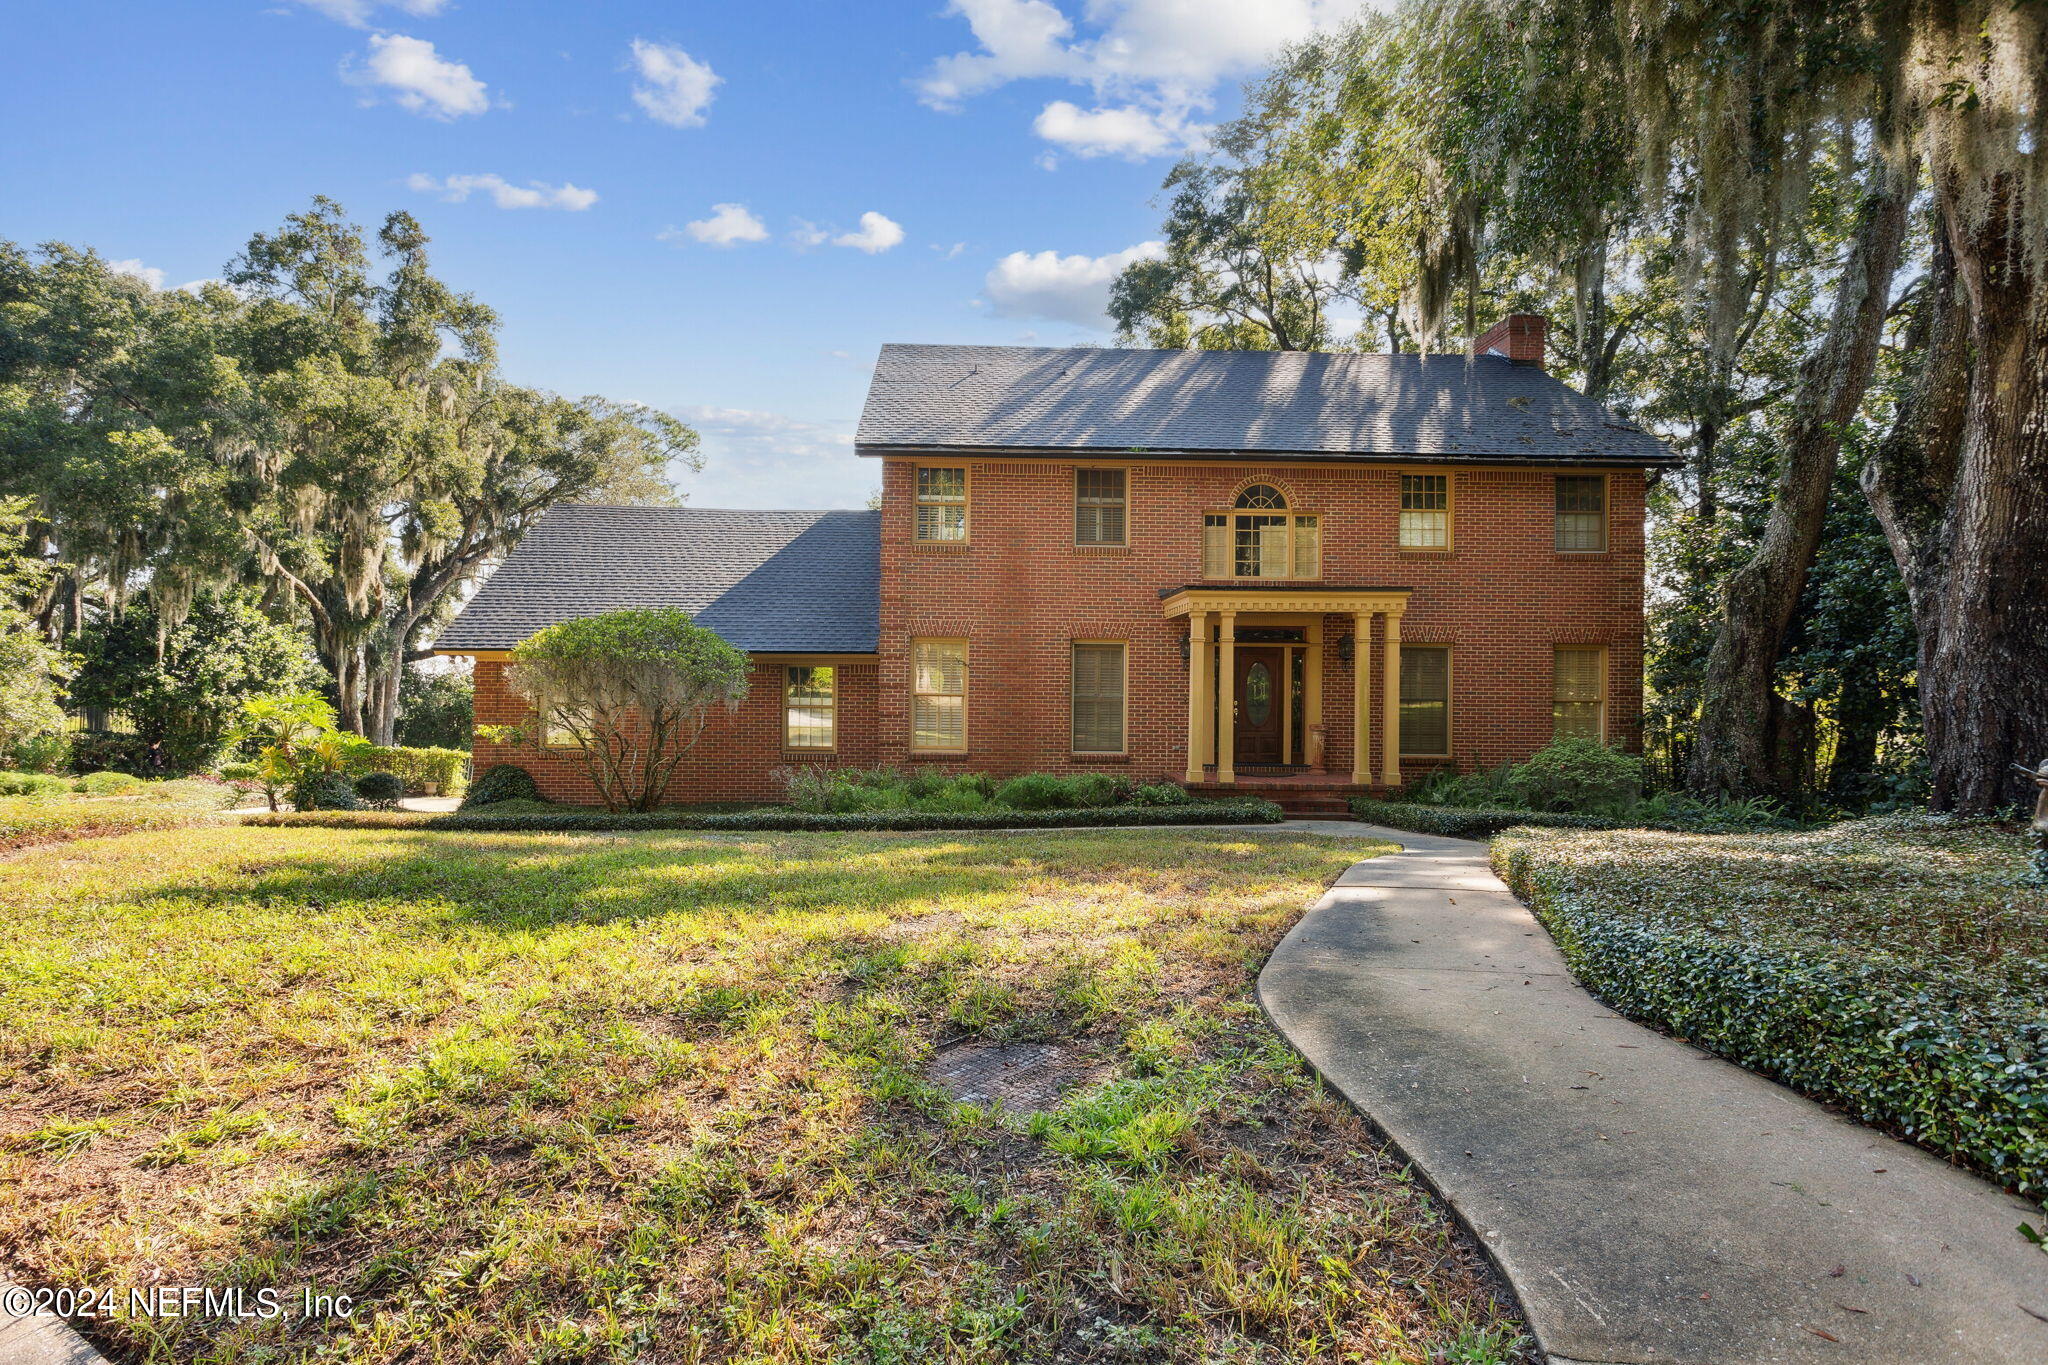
(533, 195)
(676, 87)
(419, 78)
(765, 459)
(356, 13)
(1071, 289)
(877, 233)
(808, 234)
(1159, 60)
(148, 274)
(728, 225)
(1127, 131)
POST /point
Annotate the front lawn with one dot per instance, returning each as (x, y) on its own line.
(1897, 966)
(663, 1097)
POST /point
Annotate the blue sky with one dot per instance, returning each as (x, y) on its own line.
(722, 209)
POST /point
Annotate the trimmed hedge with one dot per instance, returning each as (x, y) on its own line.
(1482, 822)
(588, 821)
(418, 768)
(1891, 966)
(24, 824)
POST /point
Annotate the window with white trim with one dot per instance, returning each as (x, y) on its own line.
(938, 700)
(1098, 697)
(1581, 513)
(1578, 692)
(1425, 700)
(1100, 507)
(941, 504)
(1425, 512)
(810, 706)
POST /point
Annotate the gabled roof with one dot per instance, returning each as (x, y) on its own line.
(1304, 405)
(768, 582)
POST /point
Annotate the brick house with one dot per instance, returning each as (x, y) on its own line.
(1313, 572)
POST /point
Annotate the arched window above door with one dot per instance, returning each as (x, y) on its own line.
(1261, 538)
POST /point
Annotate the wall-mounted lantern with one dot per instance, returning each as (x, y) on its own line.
(1346, 647)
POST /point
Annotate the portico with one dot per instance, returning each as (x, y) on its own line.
(1257, 663)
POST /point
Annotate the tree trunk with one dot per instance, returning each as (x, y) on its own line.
(1737, 697)
(1960, 486)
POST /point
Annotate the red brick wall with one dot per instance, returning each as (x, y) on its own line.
(734, 760)
(1020, 592)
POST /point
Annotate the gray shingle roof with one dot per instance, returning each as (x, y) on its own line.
(769, 582)
(1303, 404)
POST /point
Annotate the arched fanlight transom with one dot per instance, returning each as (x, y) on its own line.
(1262, 495)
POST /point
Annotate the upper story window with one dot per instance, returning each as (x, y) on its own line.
(1581, 513)
(1261, 538)
(941, 504)
(1425, 511)
(1100, 504)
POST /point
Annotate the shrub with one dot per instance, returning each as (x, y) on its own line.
(380, 789)
(1578, 775)
(1101, 789)
(102, 751)
(1160, 794)
(558, 820)
(1883, 965)
(325, 791)
(41, 786)
(109, 784)
(1038, 791)
(48, 752)
(1466, 822)
(501, 782)
(419, 769)
(240, 772)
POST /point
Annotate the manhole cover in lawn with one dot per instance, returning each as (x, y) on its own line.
(1021, 1075)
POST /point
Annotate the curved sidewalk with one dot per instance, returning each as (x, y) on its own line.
(1651, 1204)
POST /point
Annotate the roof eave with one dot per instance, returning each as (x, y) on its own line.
(885, 450)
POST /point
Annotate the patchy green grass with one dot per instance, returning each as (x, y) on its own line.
(661, 1097)
(1897, 966)
(26, 822)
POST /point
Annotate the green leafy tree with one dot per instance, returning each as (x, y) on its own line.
(32, 673)
(182, 685)
(632, 690)
(437, 710)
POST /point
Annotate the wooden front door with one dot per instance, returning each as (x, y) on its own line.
(1261, 712)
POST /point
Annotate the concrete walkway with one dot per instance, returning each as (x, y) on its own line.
(1648, 1202)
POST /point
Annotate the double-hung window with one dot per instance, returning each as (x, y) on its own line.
(938, 696)
(941, 504)
(1425, 700)
(1261, 538)
(1098, 697)
(1425, 512)
(1578, 692)
(810, 705)
(1581, 513)
(1100, 507)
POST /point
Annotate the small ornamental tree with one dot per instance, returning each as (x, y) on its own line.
(632, 690)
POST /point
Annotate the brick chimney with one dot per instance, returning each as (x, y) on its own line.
(1518, 336)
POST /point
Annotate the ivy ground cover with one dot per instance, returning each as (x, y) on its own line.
(663, 1097)
(1895, 966)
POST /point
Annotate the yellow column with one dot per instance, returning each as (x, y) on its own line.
(1312, 692)
(1198, 693)
(1361, 698)
(1390, 752)
(1226, 696)
(1286, 705)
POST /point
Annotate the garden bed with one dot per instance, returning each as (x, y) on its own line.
(569, 821)
(1895, 966)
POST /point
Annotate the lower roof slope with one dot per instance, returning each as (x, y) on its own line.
(1299, 404)
(768, 582)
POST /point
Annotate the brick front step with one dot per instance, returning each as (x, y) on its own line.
(1297, 795)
